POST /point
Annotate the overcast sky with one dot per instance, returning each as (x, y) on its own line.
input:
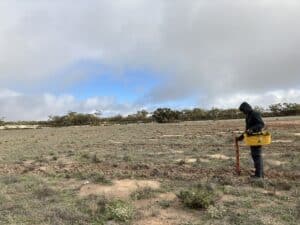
(123, 55)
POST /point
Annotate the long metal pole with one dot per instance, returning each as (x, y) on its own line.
(237, 154)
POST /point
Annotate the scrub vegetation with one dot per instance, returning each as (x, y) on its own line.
(160, 115)
(148, 174)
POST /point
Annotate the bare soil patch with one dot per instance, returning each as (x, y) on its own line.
(120, 188)
(219, 156)
(275, 162)
(170, 216)
(282, 141)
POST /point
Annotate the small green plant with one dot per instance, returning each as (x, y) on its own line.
(181, 162)
(298, 210)
(100, 178)
(127, 158)
(259, 183)
(93, 177)
(93, 205)
(165, 204)
(198, 197)
(283, 185)
(43, 191)
(216, 212)
(95, 159)
(190, 223)
(85, 155)
(9, 179)
(119, 210)
(143, 193)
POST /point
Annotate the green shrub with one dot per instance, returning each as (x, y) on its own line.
(216, 212)
(283, 185)
(165, 204)
(259, 183)
(143, 193)
(127, 158)
(93, 205)
(119, 210)
(197, 197)
(99, 178)
(93, 177)
(43, 191)
(95, 159)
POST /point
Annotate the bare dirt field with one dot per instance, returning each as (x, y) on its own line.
(132, 174)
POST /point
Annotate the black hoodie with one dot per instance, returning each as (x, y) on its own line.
(254, 122)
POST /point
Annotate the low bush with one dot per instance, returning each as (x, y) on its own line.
(143, 193)
(199, 197)
(103, 210)
(43, 191)
(165, 204)
(93, 177)
(119, 210)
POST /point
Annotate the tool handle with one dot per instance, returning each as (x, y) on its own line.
(237, 155)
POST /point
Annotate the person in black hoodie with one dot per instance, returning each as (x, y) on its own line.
(254, 124)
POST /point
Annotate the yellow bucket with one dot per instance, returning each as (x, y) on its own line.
(263, 138)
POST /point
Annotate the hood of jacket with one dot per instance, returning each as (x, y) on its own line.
(245, 108)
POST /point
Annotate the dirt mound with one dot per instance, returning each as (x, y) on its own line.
(152, 214)
(219, 156)
(169, 216)
(120, 188)
(19, 127)
(275, 162)
(282, 141)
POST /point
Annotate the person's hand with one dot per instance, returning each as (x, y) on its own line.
(249, 131)
(240, 138)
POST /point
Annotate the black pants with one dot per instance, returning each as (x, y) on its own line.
(256, 153)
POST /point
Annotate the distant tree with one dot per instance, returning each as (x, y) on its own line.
(276, 109)
(229, 114)
(74, 118)
(198, 114)
(165, 115)
(142, 114)
(259, 109)
(214, 113)
(117, 118)
(98, 113)
(2, 121)
(290, 109)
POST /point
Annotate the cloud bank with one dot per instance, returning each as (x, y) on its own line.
(18, 106)
(216, 50)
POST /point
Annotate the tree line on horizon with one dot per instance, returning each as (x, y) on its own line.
(163, 115)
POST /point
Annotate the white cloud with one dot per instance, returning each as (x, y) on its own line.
(201, 47)
(17, 106)
(6, 93)
(262, 100)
